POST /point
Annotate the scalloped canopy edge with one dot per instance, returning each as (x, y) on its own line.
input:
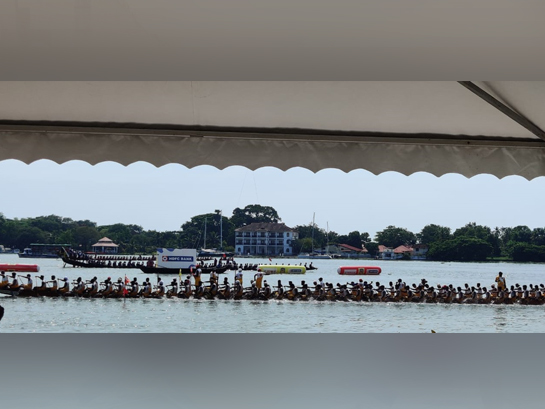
(254, 149)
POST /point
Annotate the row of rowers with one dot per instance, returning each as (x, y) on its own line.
(358, 291)
(109, 288)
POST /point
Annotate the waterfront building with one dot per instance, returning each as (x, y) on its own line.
(416, 252)
(385, 253)
(403, 252)
(419, 252)
(265, 239)
(347, 250)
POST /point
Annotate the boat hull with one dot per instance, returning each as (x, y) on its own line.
(184, 271)
(21, 255)
(9, 292)
(315, 256)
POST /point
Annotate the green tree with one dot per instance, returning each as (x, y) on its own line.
(395, 236)
(528, 252)
(355, 239)
(365, 238)
(433, 233)
(482, 233)
(306, 234)
(193, 231)
(30, 235)
(254, 214)
(462, 248)
(520, 234)
(474, 230)
(302, 245)
(50, 224)
(85, 237)
(538, 236)
(372, 248)
(85, 223)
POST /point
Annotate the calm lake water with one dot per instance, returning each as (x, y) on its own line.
(177, 315)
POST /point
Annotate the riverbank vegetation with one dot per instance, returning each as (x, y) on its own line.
(471, 242)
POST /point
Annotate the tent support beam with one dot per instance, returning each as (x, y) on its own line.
(136, 130)
(521, 120)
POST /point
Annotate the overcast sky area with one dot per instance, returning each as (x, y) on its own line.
(164, 198)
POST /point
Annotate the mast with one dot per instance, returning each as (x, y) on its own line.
(327, 239)
(313, 215)
(205, 232)
(219, 213)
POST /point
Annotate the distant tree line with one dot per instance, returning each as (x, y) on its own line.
(133, 239)
(469, 243)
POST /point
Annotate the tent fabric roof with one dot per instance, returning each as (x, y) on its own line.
(408, 126)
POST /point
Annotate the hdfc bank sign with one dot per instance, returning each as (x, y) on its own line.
(177, 259)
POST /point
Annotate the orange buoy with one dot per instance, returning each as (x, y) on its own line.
(26, 268)
(359, 270)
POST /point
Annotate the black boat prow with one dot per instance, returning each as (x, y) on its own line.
(13, 293)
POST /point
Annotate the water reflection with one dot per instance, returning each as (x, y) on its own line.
(500, 317)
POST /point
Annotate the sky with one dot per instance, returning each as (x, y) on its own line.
(164, 198)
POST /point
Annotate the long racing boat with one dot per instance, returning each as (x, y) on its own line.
(183, 271)
(97, 263)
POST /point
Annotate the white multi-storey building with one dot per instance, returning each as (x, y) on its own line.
(265, 239)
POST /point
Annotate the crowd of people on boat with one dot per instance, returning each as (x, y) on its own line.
(107, 263)
(78, 258)
(80, 255)
(260, 289)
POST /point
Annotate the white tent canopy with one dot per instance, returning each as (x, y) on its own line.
(436, 127)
